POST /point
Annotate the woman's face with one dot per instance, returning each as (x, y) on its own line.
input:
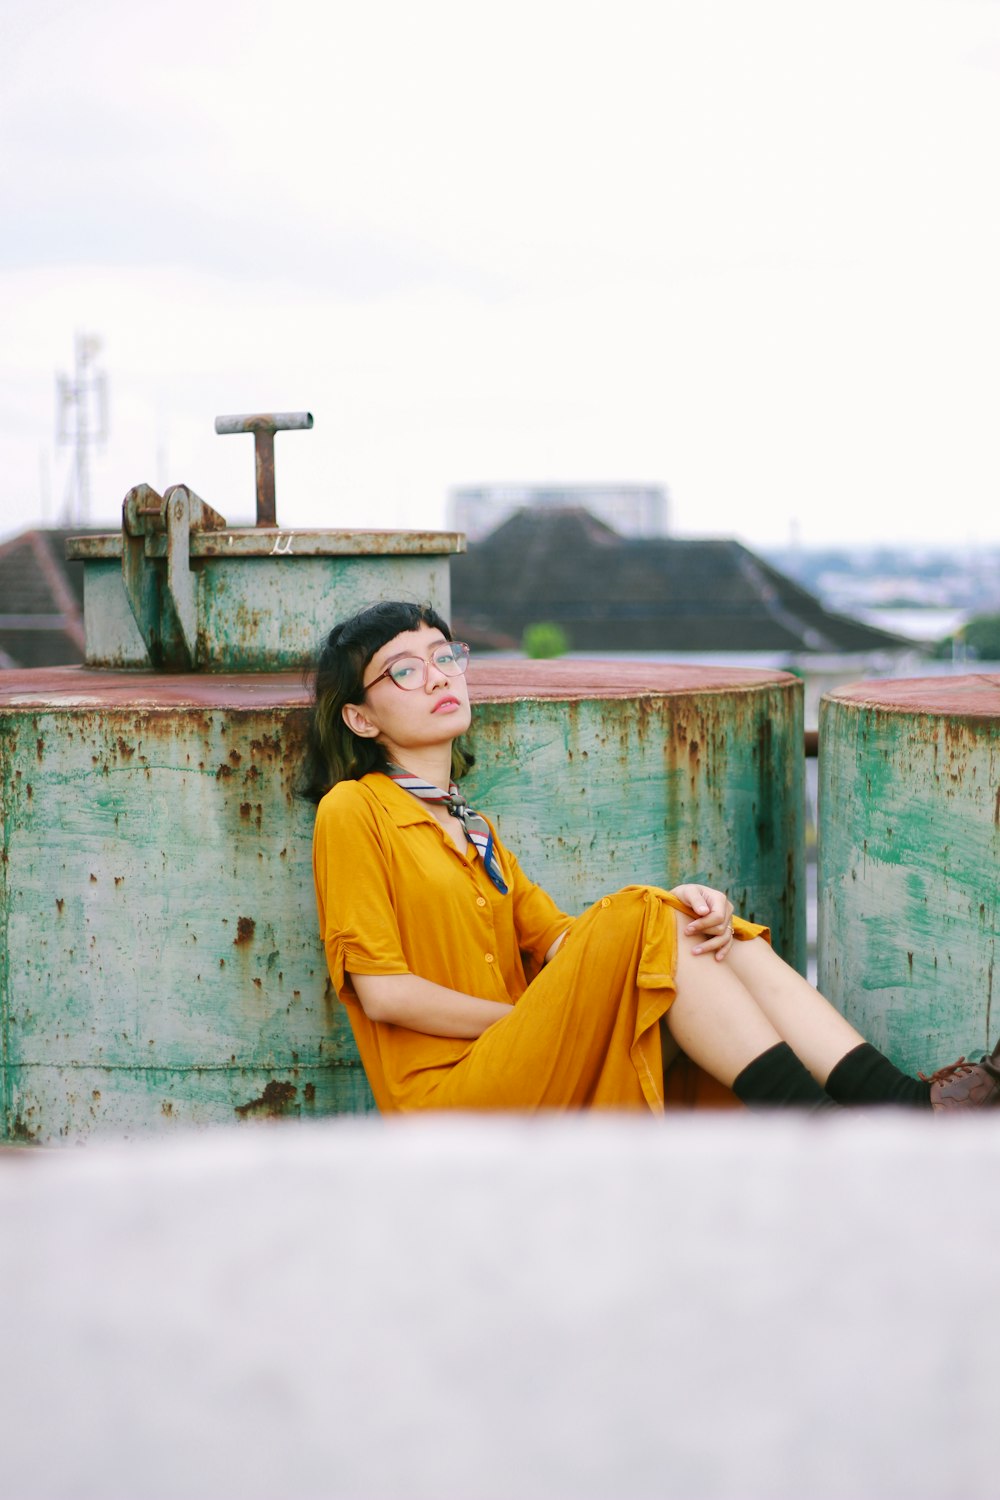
(435, 712)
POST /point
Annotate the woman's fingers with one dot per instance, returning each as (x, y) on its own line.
(714, 924)
(720, 944)
(696, 896)
(716, 909)
(711, 908)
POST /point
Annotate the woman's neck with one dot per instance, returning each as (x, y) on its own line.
(430, 762)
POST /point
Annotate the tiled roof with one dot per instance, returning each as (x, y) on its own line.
(612, 593)
(41, 600)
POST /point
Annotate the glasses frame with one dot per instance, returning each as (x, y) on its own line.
(462, 663)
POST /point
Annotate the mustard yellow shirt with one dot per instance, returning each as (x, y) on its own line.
(395, 896)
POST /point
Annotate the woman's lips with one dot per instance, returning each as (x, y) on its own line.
(445, 703)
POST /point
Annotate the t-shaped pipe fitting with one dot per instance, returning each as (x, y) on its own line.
(263, 426)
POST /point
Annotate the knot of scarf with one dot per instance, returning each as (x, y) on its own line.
(477, 830)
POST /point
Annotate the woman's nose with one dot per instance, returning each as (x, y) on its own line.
(435, 676)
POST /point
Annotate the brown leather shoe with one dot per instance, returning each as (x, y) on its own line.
(967, 1085)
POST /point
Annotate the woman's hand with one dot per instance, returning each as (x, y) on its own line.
(713, 919)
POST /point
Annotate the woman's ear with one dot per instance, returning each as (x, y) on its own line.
(358, 721)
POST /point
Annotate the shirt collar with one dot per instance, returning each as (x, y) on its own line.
(400, 806)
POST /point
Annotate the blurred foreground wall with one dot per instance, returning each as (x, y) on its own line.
(723, 1306)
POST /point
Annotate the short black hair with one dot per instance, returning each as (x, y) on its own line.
(333, 752)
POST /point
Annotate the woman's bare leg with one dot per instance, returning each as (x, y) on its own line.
(714, 1018)
(816, 1032)
(726, 1014)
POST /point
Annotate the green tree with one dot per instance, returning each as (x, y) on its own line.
(980, 636)
(544, 639)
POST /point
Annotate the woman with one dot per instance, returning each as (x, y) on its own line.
(465, 984)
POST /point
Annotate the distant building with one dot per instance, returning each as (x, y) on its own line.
(41, 601)
(630, 509)
(614, 593)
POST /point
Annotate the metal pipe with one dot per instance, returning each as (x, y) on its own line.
(264, 425)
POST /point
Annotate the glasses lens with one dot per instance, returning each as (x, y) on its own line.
(453, 658)
(408, 672)
(411, 671)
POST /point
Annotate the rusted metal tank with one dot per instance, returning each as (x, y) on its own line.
(159, 948)
(179, 590)
(909, 863)
(160, 960)
(604, 774)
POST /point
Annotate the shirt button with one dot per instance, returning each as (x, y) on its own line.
(605, 901)
(480, 900)
(489, 958)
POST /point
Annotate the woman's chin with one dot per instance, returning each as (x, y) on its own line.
(450, 726)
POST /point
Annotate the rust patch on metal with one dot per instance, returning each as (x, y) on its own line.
(273, 1102)
(268, 747)
(309, 1093)
(505, 681)
(21, 1131)
(60, 905)
(224, 772)
(489, 681)
(989, 1003)
(40, 747)
(99, 689)
(973, 697)
(245, 929)
(125, 750)
(254, 811)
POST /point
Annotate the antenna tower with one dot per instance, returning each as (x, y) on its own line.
(81, 419)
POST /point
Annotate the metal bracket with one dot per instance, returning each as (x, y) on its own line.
(264, 425)
(164, 601)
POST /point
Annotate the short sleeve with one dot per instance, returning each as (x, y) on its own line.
(354, 888)
(538, 921)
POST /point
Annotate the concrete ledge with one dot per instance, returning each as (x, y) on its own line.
(453, 1307)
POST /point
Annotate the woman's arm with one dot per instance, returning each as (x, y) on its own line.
(554, 948)
(420, 1005)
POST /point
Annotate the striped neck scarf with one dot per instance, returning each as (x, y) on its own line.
(477, 829)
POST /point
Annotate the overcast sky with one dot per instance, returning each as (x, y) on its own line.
(749, 251)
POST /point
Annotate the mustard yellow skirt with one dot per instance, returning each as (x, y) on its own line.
(586, 1032)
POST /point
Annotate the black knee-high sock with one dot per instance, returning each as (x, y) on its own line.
(864, 1076)
(778, 1079)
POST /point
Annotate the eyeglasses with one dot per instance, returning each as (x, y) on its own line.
(410, 672)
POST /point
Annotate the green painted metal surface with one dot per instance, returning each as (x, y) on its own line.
(909, 864)
(159, 960)
(255, 600)
(693, 779)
